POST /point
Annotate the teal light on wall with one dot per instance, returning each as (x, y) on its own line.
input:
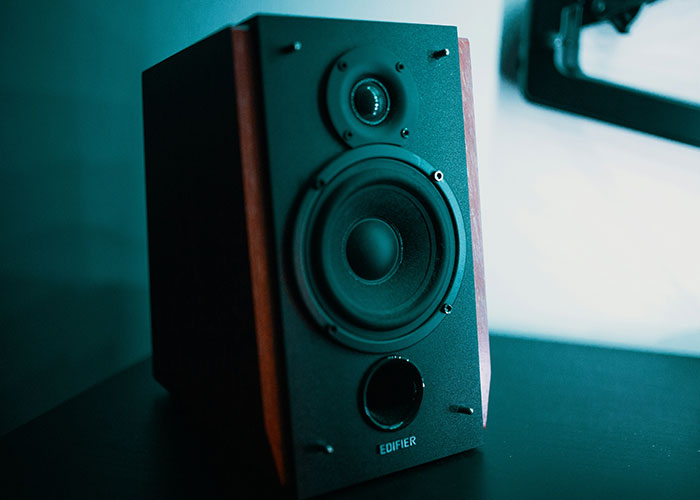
(73, 302)
(73, 261)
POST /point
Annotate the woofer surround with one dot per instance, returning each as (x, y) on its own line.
(379, 248)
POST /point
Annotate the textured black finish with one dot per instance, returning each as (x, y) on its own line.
(300, 143)
(565, 421)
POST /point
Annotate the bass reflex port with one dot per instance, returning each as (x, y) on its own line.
(391, 393)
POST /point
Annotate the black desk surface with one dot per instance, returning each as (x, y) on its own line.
(565, 421)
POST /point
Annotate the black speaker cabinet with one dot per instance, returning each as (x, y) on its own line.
(314, 241)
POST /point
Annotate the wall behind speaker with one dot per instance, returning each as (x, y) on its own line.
(310, 241)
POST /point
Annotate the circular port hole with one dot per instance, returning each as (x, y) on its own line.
(392, 393)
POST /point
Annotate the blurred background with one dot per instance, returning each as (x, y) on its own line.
(591, 231)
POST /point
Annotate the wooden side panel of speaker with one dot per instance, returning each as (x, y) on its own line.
(257, 228)
(475, 215)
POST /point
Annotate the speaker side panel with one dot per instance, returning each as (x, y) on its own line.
(204, 348)
(258, 235)
(475, 218)
(324, 377)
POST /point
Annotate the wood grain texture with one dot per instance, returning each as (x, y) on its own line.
(475, 216)
(259, 244)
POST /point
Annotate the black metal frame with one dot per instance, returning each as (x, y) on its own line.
(551, 74)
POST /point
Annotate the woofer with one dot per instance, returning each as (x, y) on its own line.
(379, 248)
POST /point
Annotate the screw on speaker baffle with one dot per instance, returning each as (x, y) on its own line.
(319, 182)
(342, 65)
(400, 66)
(439, 54)
(438, 177)
(404, 133)
(322, 447)
(464, 410)
(293, 47)
(446, 308)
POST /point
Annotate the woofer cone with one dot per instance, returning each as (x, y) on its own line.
(379, 248)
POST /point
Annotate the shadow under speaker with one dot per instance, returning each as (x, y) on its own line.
(314, 241)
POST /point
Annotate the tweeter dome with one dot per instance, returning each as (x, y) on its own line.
(314, 242)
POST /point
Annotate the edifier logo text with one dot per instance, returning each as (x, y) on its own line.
(385, 448)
